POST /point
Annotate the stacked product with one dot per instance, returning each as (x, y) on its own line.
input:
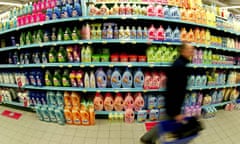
(77, 111)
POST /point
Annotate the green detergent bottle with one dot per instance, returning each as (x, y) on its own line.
(48, 78)
(29, 38)
(60, 34)
(40, 36)
(22, 39)
(65, 78)
(52, 55)
(57, 81)
(75, 35)
(67, 34)
(62, 55)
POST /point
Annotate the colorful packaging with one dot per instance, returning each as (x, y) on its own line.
(127, 79)
(118, 102)
(152, 102)
(67, 100)
(154, 115)
(101, 78)
(98, 102)
(138, 102)
(76, 116)
(129, 115)
(148, 80)
(141, 116)
(128, 102)
(108, 102)
(138, 79)
(75, 99)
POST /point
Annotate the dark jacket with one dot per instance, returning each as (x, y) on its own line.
(176, 86)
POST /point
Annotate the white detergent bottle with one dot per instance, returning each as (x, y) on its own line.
(86, 80)
(92, 80)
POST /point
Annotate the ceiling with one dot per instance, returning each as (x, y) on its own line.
(4, 8)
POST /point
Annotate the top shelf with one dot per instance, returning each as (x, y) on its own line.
(121, 17)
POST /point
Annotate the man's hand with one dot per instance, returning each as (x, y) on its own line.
(179, 118)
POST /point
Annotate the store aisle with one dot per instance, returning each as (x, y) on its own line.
(224, 129)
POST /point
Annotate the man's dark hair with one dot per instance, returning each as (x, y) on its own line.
(182, 47)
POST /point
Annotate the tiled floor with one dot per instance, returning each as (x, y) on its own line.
(223, 129)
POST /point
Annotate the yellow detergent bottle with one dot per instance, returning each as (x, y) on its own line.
(183, 34)
(190, 36)
(183, 13)
(208, 37)
(197, 35)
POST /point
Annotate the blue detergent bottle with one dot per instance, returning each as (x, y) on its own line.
(59, 99)
(138, 79)
(109, 75)
(166, 12)
(116, 79)
(101, 78)
(127, 79)
(168, 34)
(176, 35)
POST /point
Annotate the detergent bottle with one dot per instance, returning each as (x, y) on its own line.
(127, 79)
(151, 32)
(109, 75)
(48, 78)
(57, 78)
(52, 55)
(183, 34)
(190, 36)
(92, 80)
(65, 78)
(138, 79)
(176, 35)
(101, 78)
(159, 11)
(72, 77)
(75, 34)
(88, 54)
(116, 79)
(79, 78)
(166, 11)
(168, 34)
(160, 34)
(62, 55)
(86, 80)
(118, 102)
(128, 101)
(60, 34)
(98, 102)
(108, 102)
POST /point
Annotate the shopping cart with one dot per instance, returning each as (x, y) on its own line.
(170, 126)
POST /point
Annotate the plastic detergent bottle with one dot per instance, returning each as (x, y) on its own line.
(127, 33)
(139, 32)
(159, 11)
(176, 35)
(138, 79)
(52, 55)
(59, 98)
(151, 32)
(86, 80)
(48, 78)
(62, 55)
(67, 34)
(65, 79)
(88, 54)
(109, 75)
(83, 58)
(190, 37)
(92, 80)
(133, 33)
(150, 10)
(98, 32)
(116, 79)
(57, 78)
(127, 79)
(166, 11)
(121, 33)
(183, 34)
(76, 54)
(168, 34)
(115, 33)
(160, 34)
(101, 78)
(109, 32)
(75, 35)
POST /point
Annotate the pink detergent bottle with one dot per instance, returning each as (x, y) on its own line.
(151, 32)
(159, 11)
(150, 10)
(147, 81)
(128, 101)
(160, 34)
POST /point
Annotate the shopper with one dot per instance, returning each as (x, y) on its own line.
(176, 90)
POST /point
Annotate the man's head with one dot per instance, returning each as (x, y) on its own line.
(186, 50)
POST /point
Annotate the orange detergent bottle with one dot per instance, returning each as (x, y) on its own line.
(92, 116)
(202, 36)
(183, 34)
(67, 100)
(68, 116)
(171, 2)
(76, 116)
(203, 16)
(190, 37)
(183, 13)
(75, 98)
(197, 35)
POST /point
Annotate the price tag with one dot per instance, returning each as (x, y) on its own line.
(92, 18)
(41, 24)
(82, 66)
(89, 42)
(98, 91)
(145, 91)
(116, 91)
(92, 66)
(104, 42)
(134, 42)
(80, 19)
(54, 44)
(69, 66)
(130, 65)
(43, 66)
(111, 65)
(81, 43)
(168, 43)
(122, 42)
(104, 17)
(123, 17)
(61, 66)
(84, 90)
(41, 45)
(17, 29)
(19, 48)
(134, 17)
(151, 65)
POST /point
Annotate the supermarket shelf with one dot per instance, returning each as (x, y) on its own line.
(113, 41)
(115, 64)
(114, 89)
(52, 88)
(14, 103)
(108, 112)
(218, 104)
(87, 18)
(82, 65)
(212, 87)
